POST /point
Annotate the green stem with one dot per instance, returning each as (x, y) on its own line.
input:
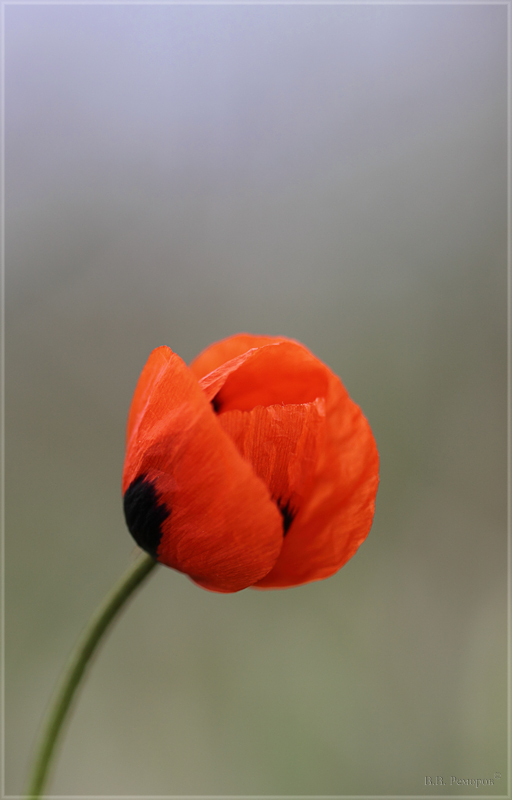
(75, 669)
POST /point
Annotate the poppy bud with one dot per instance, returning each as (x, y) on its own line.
(251, 467)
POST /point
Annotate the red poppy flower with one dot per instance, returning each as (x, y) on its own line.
(251, 467)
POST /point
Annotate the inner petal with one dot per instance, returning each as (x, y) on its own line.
(281, 442)
(279, 373)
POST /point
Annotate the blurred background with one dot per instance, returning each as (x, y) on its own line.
(334, 173)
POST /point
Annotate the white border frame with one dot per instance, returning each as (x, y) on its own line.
(3, 5)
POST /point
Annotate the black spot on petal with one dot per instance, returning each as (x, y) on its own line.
(287, 513)
(144, 514)
(215, 403)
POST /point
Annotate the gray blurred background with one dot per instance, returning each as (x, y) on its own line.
(176, 174)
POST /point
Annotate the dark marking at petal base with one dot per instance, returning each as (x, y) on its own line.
(287, 513)
(215, 403)
(144, 514)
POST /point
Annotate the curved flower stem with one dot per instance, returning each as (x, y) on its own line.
(75, 669)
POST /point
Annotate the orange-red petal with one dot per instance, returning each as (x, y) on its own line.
(337, 515)
(282, 444)
(219, 353)
(283, 372)
(222, 528)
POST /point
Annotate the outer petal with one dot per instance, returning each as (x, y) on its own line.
(154, 370)
(337, 515)
(217, 521)
(218, 353)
